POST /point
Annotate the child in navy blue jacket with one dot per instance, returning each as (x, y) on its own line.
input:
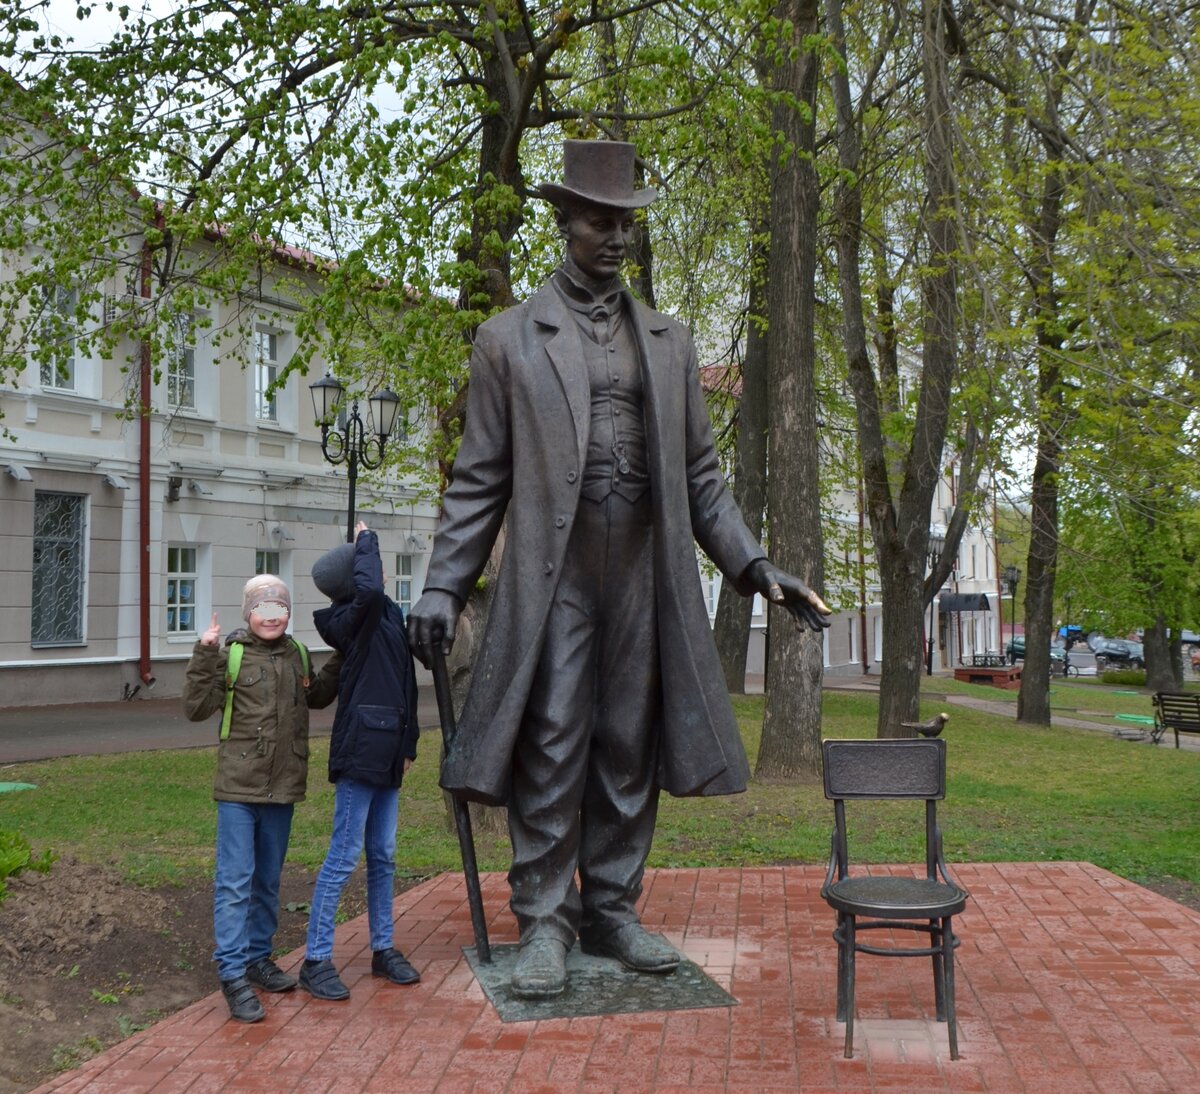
(374, 743)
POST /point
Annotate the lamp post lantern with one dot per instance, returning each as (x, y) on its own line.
(352, 441)
(1012, 578)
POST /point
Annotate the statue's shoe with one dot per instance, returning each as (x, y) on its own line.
(541, 970)
(635, 948)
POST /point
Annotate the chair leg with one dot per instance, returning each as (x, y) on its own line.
(849, 947)
(951, 1011)
(937, 937)
(839, 936)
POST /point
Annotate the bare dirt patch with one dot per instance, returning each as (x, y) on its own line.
(88, 958)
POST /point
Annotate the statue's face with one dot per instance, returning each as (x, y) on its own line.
(597, 237)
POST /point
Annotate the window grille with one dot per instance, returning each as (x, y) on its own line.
(58, 569)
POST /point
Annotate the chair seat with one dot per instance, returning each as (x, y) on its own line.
(895, 897)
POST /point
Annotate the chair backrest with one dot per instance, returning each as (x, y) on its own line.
(911, 768)
(908, 767)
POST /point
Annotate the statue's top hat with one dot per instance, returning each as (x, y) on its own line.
(600, 172)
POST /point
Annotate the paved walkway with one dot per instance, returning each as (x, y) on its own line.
(1069, 979)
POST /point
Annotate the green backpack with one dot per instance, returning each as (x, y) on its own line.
(234, 666)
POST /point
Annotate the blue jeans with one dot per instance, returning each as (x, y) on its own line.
(361, 815)
(252, 841)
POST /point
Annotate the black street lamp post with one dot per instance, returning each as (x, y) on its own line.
(936, 546)
(356, 443)
(1012, 578)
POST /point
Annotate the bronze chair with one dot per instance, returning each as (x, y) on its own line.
(891, 769)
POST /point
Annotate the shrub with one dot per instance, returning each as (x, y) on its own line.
(1133, 678)
(16, 855)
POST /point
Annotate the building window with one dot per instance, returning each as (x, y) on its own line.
(181, 365)
(58, 338)
(181, 590)
(404, 583)
(266, 371)
(58, 569)
(266, 562)
(710, 584)
(852, 638)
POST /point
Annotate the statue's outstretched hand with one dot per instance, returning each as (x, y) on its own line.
(432, 623)
(789, 592)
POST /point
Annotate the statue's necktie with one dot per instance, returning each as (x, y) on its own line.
(599, 316)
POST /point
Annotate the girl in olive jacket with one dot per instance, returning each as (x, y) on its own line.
(262, 771)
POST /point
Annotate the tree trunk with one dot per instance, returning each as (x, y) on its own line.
(791, 731)
(1033, 700)
(1160, 666)
(731, 629)
(900, 519)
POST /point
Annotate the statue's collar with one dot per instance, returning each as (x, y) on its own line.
(579, 288)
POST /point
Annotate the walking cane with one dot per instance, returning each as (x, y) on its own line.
(462, 816)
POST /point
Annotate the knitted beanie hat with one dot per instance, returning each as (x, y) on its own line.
(262, 590)
(333, 573)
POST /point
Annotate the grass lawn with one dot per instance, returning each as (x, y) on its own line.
(1015, 793)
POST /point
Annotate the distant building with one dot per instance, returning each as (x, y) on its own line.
(966, 616)
(230, 474)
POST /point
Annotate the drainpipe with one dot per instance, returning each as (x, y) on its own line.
(147, 677)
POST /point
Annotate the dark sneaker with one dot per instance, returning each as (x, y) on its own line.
(244, 1005)
(265, 974)
(541, 970)
(320, 979)
(635, 948)
(392, 965)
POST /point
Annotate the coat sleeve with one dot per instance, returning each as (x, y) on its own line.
(412, 730)
(324, 686)
(717, 522)
(474, 504)
(204, 682)
(359, 620)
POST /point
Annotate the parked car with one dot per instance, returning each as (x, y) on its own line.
(1015, 651)
(1119, 653)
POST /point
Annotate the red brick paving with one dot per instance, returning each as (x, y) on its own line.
(1069, 979)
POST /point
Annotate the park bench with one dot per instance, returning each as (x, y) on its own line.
(990, 668)
(1177, 712)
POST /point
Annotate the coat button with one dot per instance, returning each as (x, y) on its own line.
(547, 568)
(571, 476)
(559, 522)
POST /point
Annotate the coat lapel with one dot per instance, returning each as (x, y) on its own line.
(648, 330)
(565, 351)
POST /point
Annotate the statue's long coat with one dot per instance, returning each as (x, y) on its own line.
(522, 453)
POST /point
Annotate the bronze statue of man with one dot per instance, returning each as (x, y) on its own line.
(597, 682)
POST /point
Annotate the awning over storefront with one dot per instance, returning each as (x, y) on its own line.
(963, 602)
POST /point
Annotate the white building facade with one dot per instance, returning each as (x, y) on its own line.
(121, 533)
